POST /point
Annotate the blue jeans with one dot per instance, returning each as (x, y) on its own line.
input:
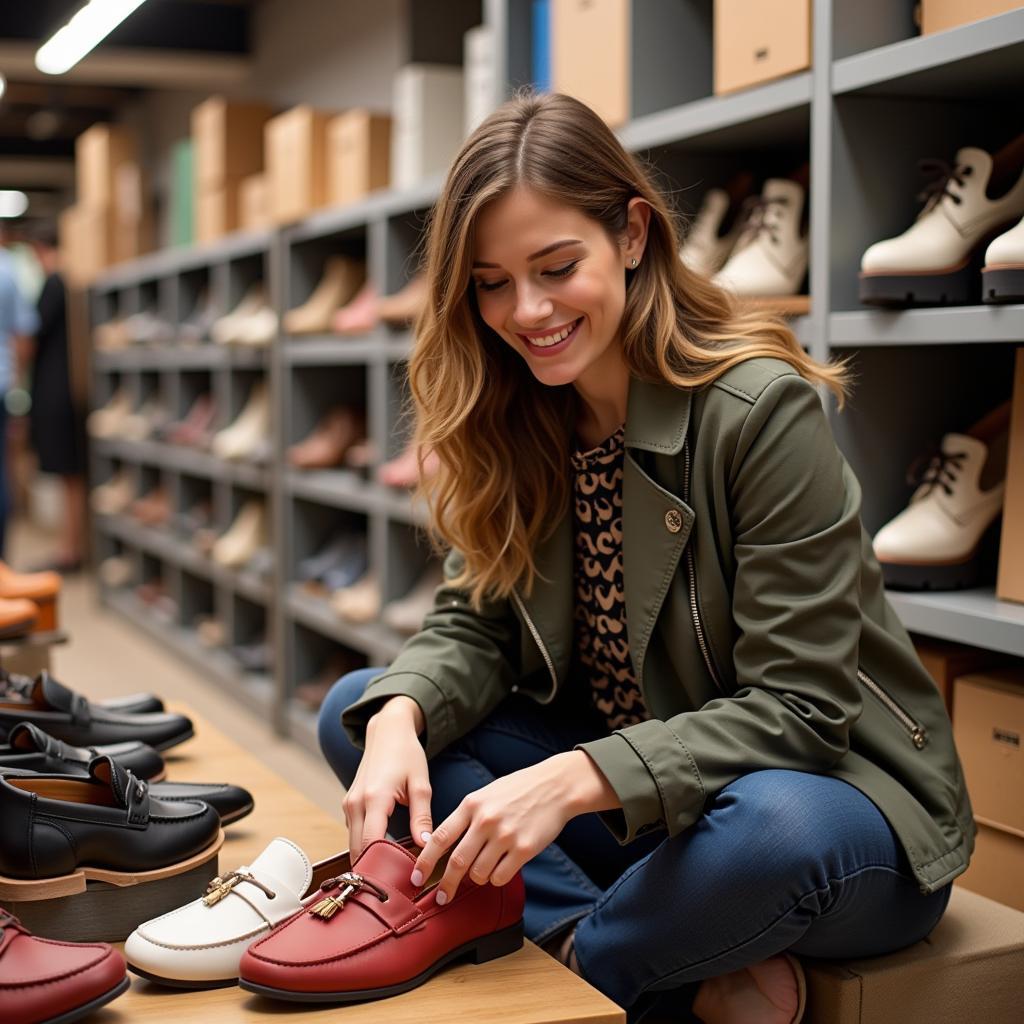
(781, 860)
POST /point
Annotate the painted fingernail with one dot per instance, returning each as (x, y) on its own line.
(416, 877)
(425, 836)
(441, 898)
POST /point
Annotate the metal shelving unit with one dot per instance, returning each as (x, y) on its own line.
(877, 99)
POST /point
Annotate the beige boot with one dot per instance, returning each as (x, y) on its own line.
(359, 603)
(250, 428)
(342, 278)
(244, 537)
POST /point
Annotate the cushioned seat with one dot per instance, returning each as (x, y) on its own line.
(971, 968)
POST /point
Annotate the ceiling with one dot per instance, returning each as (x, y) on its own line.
(165, 44)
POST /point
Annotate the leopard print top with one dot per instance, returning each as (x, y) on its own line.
(601, 645)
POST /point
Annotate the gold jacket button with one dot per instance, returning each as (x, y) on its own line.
(673, 520)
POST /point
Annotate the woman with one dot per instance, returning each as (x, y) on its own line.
(662, 678)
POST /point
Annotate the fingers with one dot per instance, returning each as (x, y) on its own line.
(440, 840)
(354, 815)
(462, 858)
(420, 821)
(375, 824)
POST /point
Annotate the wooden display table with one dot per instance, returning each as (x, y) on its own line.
(528, 987)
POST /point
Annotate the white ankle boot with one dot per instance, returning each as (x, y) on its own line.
(250, 429)
(935, 261)
(770, 257)
(935, 543)
(246, 535)
(225, 330)
(707, 247)
(1003, 275)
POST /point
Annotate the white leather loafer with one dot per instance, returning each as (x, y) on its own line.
(200, 944)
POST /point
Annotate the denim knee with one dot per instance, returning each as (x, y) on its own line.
(337, 748)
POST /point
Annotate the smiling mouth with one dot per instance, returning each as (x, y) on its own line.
(553, 339)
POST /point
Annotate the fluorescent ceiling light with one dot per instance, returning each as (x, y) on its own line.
(13, 204)
(3, 86)
(93, 23)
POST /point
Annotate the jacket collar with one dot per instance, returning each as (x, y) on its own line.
(657, 416)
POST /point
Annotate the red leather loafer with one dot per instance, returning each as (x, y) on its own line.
(47, 982)
(370, 933)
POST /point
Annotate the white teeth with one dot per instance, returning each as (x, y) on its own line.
(553, 339)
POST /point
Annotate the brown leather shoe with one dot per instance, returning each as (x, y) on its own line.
(332, 437)
(18, 616)
(41, 588)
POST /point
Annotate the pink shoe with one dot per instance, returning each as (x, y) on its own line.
(360, 315)
(403, 470)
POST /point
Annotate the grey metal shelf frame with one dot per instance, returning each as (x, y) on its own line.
(877, 99)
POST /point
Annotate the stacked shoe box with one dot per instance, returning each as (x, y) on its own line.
(428, 121)
(296, 154)
(988, 725)
(228, 141)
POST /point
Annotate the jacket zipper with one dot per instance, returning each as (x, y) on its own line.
(535, 633)
(692, 572)
(918, 733)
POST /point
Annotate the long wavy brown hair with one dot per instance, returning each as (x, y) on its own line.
(502, 438)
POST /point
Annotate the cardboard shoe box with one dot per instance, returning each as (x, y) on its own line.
(945, 661)
(254, 203)
(938, 15)
(591, 45)
(758, 40)
(1010, 581)
(358, 155)
(296, 154)
(228, 140)
(988, 727)
(216, 211)
(99, 152)
(997, 867)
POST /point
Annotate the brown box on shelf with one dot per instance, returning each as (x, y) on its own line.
(590, 55)
(296, 152)
(758, 40)
(227, 137)
(997, 867)
(94, 226)
(99, 152)
(1010, 581)
(254, 203)
(216, 212)
(938, 15)
(358, 155)
(945, 661)
(988, 726)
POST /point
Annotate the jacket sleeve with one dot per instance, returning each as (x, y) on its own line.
(457, 668)
(795, 512)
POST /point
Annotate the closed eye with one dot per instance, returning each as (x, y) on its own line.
(492, 286)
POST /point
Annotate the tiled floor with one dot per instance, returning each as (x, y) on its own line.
(106, 656)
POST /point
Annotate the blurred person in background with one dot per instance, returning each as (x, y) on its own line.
(18, 321)
(57, 424)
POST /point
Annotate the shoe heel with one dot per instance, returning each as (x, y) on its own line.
(490, 947)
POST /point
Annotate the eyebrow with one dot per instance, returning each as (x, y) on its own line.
(537, 255)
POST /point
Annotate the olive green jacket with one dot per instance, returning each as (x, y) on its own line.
(759, 629)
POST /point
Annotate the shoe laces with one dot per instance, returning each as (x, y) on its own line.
(943, 174)
(940, 468)
(761, 217)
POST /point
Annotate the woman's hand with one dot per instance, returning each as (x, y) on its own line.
(393, 770)
(510, 820)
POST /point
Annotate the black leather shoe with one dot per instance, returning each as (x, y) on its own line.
(15, 685)
(53, 825)
(30, 748)
(70, 717)
(232, 803)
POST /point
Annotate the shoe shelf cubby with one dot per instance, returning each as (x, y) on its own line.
(878, 98)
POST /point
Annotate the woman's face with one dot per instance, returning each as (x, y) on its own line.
(551, 284)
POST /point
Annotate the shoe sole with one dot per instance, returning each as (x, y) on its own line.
(85, 1010)
(488, 947)
(948, 575)
(1003, 284)
(173, 741)
(178, 983)
(232, 816)
(897, 291)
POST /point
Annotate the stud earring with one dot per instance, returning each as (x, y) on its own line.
(634, 262)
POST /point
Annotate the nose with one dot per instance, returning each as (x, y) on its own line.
(533, 306)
